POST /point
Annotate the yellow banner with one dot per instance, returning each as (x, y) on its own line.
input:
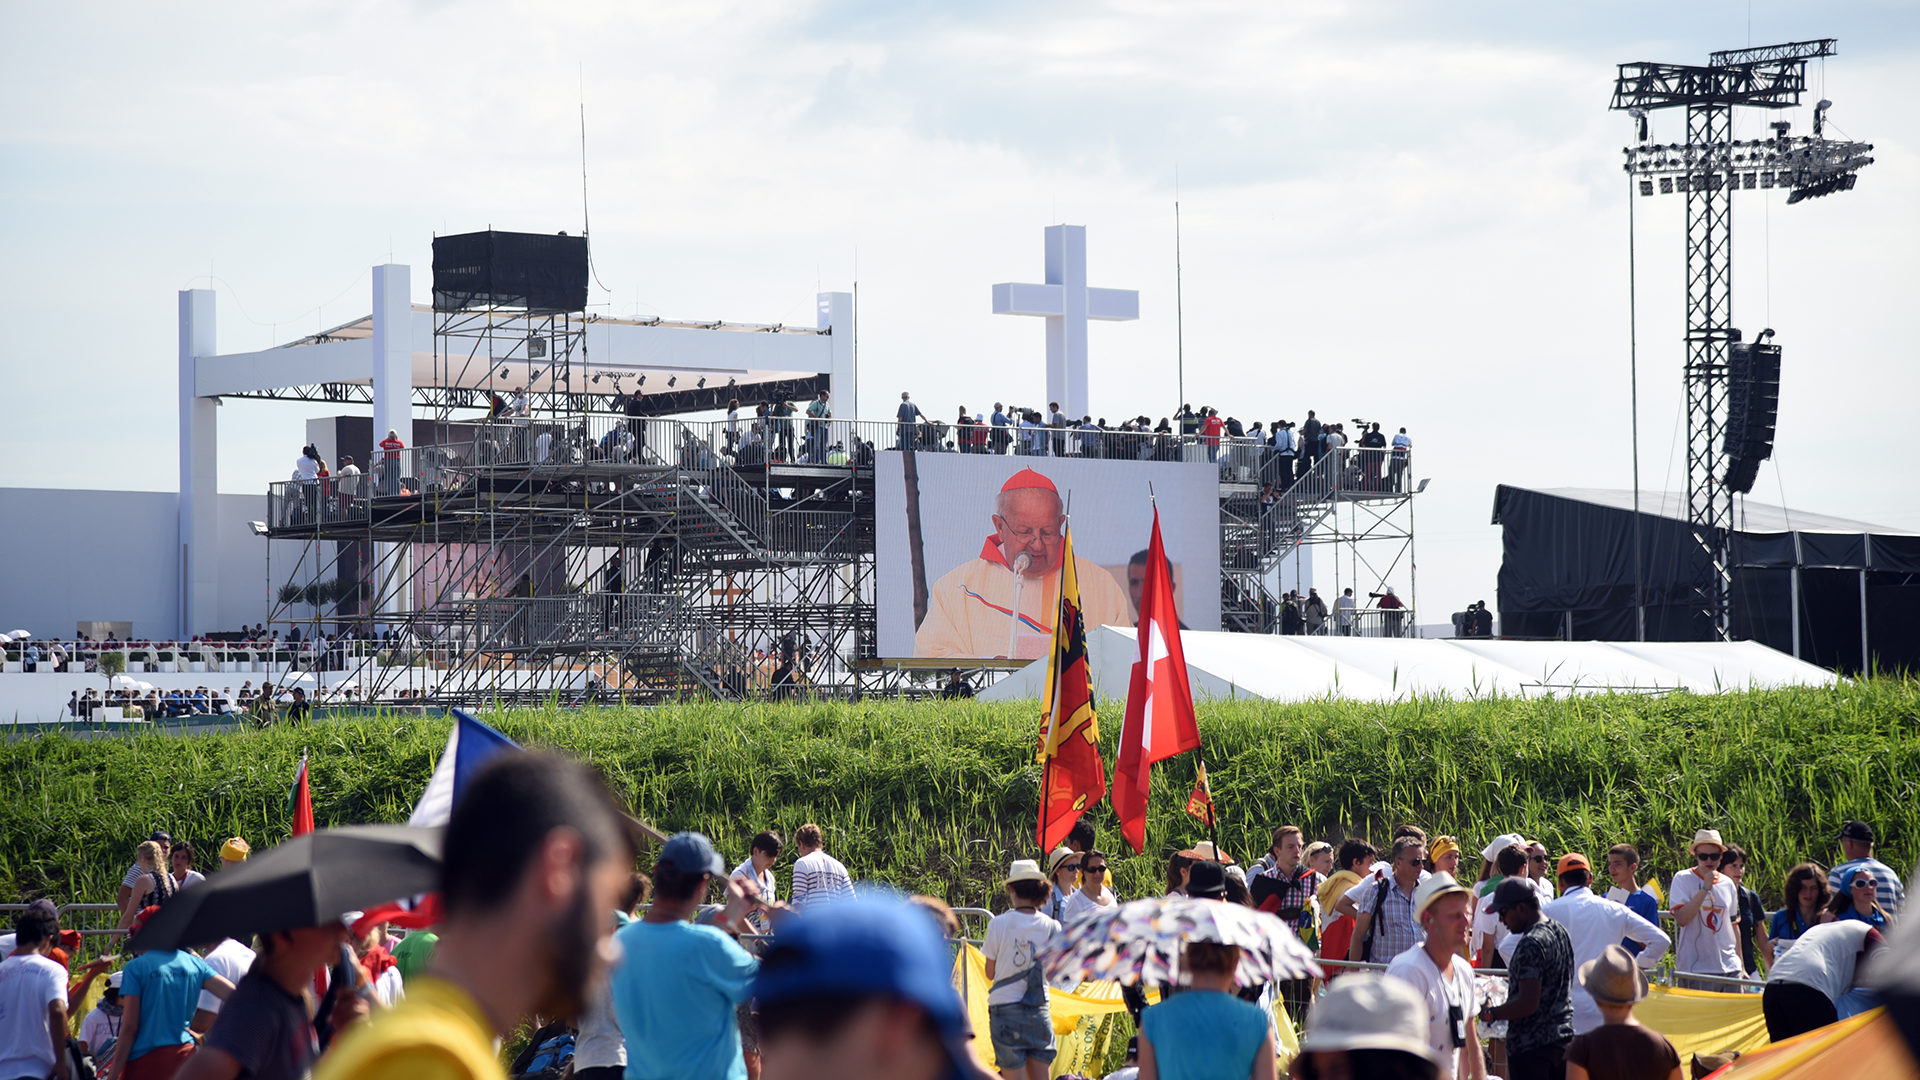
(1085, 1020)
(1702, 1022)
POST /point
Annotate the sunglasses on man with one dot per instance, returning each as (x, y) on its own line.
(1707, 856)
(1095, 871)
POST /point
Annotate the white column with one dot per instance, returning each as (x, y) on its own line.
(392, 354)
(1067, 335)
(199, 564)
(392, 405)
(836, 311)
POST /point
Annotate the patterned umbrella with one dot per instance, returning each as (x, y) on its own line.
(1141, 943)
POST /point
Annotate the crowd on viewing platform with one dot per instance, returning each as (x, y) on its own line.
(1276, 452)
(210, 652)
(1280, 451)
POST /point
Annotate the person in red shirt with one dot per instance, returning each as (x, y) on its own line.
(1210, 431)
(390, 448)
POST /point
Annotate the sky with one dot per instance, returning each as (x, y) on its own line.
(1402, 211)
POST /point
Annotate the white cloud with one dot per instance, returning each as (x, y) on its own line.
(1407, 212)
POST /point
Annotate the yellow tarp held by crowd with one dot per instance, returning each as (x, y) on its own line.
(1703, 1022)
(1864, 1045)
(1084, 1020)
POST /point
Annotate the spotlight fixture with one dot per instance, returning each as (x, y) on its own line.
(643, 380)
(536, 347)
(259, 528)
(1640, 118)
(672, 380)
(702, 384)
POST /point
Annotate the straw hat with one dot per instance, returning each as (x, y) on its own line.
(1059, 855)
(1364, 1011)
(1707, 836)
(1204, 851)
(1612, 977)
(1024, 870)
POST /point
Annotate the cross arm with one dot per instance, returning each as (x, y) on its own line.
(1012, 299)
(1113, 305)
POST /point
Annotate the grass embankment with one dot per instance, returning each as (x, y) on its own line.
(938, 798)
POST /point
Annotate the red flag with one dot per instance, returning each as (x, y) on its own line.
(302, 802)
(1073, 777)
(1160, 721)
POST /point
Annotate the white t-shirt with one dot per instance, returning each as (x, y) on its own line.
(1441, 991)
(1824, 958)
(1080, 903)
(96, 1029)
(1710, 944)
(28, 985)
(231, 961)
(1486, 925)
(194, 877)
(1016, 940)
(765, 880)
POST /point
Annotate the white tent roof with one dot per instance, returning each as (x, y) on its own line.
(1224, 666)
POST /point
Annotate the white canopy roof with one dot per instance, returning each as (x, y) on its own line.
(1225, 666)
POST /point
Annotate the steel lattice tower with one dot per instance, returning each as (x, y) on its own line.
(1708, 168)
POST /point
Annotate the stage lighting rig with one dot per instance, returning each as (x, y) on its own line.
(1708, 168)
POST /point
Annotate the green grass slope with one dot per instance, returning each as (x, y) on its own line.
(938, 797)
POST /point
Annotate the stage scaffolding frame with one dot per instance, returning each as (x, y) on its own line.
(597, 555)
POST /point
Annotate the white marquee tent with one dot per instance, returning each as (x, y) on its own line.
(1224, 666)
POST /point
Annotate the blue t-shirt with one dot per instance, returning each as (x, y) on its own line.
(1641, 903)
(167, 982)
(674, 994)
(1205, 1035)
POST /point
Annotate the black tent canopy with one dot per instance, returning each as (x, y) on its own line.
(1839, 593)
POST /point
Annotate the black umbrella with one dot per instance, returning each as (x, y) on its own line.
(307, 881)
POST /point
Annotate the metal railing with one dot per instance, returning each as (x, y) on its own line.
(97, 925)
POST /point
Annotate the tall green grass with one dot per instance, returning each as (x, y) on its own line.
(939, 797)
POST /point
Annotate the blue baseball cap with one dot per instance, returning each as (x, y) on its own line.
(692, 853)
(878, 947)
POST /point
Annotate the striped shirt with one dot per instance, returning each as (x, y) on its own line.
(818, 877)
(1886, 884)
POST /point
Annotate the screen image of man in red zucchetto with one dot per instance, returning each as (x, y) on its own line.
(1001, 603)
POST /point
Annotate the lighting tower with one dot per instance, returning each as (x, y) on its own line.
(1708, 168)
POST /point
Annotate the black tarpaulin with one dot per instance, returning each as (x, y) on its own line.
(1567, 570)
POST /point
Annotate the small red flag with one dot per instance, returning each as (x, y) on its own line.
(1073, 777)
(302, 802)
(1160, 721)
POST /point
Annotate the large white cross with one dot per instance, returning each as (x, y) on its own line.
(1066, 303)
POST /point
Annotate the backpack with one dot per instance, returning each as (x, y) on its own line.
(1373, 924)
(548, 1054)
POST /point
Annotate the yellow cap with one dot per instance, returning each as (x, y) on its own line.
(1440, 846)
(234, 850)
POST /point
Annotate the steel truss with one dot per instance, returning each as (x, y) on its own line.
(1376, 487)
(631, 558)
(1708, 168)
